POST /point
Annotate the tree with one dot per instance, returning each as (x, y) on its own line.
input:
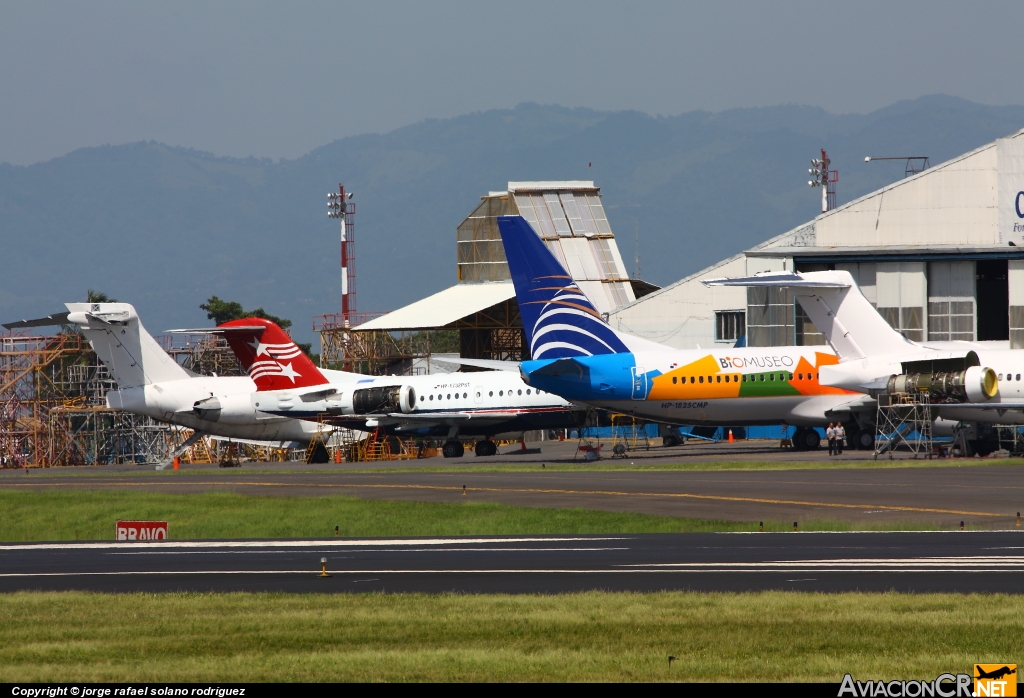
(98, 297)
(221, 311)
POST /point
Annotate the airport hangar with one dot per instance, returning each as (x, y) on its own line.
(939, 253)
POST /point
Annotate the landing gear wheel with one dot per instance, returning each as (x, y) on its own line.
(864, 440)
(809, 440)
(670, 441)
(486, 448)
(798, 439)
(453, 449)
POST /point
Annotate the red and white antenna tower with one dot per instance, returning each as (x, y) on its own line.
(339, 205)
(826, 179)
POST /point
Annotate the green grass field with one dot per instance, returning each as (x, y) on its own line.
(90, 515)
(624, 465)
(578, 637)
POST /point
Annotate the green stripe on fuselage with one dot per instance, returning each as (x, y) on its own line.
(762, 385)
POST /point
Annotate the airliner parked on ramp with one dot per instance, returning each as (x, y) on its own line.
(481, 404)
(580, 357)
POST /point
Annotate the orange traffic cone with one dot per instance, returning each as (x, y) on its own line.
(175, 462)
(337, 455)
(522, 443)
(731, 440)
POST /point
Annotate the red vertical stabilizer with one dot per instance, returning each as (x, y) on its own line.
(269, 355)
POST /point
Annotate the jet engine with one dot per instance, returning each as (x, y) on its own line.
(384, 400)
(975, 384)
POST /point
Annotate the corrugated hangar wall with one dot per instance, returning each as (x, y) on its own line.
(940, 254)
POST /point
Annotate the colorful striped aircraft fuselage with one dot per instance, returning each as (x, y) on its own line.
(734, 386)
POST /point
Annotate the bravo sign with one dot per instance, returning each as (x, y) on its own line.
(140, 530)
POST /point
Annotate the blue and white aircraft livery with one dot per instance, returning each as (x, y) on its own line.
(580, 357)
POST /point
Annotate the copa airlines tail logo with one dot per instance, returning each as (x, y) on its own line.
(568, 324)
(274, 364)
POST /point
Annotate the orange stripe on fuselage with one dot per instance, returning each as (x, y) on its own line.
(716, 386)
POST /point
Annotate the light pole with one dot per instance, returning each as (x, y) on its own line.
(826, 179)
(339, 206)
(915, 163)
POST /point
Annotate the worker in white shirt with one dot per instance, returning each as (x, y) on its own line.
(840, 434)
(830, 434)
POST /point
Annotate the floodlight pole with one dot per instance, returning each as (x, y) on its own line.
(826, 179)
(339, 206)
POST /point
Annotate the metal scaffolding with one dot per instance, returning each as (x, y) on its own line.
(53, 407)
(904, 420)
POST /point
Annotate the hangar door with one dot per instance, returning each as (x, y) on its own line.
(951, 301)
(902, 290)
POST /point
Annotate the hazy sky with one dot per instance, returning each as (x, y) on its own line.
(278, 79)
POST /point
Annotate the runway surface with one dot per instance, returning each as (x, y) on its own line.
(979, 561)
(983, 496)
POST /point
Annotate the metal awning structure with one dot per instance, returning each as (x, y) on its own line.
(443, 308)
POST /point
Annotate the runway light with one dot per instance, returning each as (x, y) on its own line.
(323, 567)
(336, 532)
(1018, 518)
(463, 490)
(794, 526)
(961, 525)
(760, 526)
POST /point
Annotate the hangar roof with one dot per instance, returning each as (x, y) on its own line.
(445, 307)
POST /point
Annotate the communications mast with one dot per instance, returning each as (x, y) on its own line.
(340, 206)
(826, 179)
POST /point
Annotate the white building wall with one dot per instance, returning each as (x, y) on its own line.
(683, 315)
(951, 204)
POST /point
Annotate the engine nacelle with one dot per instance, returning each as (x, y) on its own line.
(975, 384)
(384, 399)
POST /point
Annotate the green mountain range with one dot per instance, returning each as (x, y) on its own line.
(165, 227)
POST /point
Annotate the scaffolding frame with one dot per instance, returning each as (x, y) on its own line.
(898, 417)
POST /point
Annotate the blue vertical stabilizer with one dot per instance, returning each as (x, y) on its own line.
(560, 321)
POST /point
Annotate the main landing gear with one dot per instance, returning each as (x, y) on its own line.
(806, 439)
(486, 448)
(453, 449)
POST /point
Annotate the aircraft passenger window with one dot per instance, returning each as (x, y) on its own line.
(490, 394)
(501, 392)
(431, 397)
(422, 398)
(1000, 376)
(673, 380)
(800, 376)
(702, 379)
(465, 395)
(709, 379)
(450, 396)
(727, 379)
(519, 392)
(790, 376)
(478, 393)
(527, 391)
(1018, 376)
(771, 376)
(762, 378)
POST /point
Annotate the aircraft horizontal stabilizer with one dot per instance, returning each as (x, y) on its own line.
(779, 279)
(49, 320)
(479, 363)
(219, 330)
